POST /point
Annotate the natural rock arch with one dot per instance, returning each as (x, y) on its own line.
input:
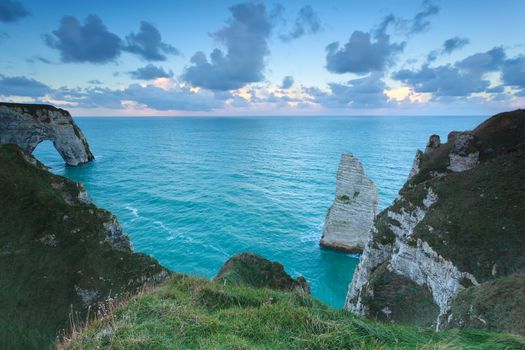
(27, 125)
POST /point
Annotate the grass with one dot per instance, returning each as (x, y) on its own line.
(192, 313)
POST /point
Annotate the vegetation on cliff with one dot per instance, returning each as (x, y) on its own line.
(460, 224)
(59, 254)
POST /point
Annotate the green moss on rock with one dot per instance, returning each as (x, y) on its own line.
(494, 305)
(255, 271)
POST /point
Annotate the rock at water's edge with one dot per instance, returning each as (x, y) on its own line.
(350, 218)
(28, 125)
(255, 271)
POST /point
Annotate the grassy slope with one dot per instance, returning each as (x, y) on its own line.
(38, 280)
(192, 313)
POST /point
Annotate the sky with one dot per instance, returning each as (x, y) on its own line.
(170, 58)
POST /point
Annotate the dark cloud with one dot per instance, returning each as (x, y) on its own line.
(307, 22)
(91, 42)
(362, 53)
(420, 22)
(454, 44)
(460, 79)
(445, 80)
(148, 44)
(22, 86)
(95, 82)
(150, 72)
(12, 11)
(287, 82)
(513, 72)
(246, 40)
(366, 92)
(483, 62)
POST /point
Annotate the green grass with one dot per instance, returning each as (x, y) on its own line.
(192, 313)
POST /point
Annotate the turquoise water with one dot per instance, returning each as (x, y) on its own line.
(194, 191)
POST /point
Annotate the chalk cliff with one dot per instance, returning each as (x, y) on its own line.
(456, 227)
(27, 125)
(350, 218)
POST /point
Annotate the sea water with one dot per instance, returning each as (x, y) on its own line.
(193, 191)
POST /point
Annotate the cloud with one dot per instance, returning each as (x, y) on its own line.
(150, 72)
(22, 86)
(307, 22)
(246, 40)
(483, 62)
(180, 98)
(148, 44)
(454, 44)
(513, 72)
(171, 97)
(40, 59)
(366, 92)
(91, 42)
(444, 80)
(12, 11)
(463, 78)
(362, 53)
(95, 82)
(287, 82)
(421, 23)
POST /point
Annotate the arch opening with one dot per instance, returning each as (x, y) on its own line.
(47, 154)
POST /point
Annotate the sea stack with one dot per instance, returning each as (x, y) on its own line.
(350, 218)
(27, 125)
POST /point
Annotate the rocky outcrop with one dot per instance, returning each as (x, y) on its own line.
(28, 125)
(456, 226)
(349, 220)
(255, 271)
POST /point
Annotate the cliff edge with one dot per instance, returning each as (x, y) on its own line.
(60, 255)
(455, 232)
(26, 125)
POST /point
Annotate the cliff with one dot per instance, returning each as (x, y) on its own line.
(349, 220)
(60, 255)
(26, 125)
(454, 232)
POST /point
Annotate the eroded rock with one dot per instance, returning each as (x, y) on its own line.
(28, 125)
(350, 218)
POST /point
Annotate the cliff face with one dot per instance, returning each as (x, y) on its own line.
(349, 219)
(27, 125)
(59, 253)
(456, 226)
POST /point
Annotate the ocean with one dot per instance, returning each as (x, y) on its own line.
(193, 191)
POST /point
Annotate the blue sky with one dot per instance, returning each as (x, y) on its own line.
(258, 58)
